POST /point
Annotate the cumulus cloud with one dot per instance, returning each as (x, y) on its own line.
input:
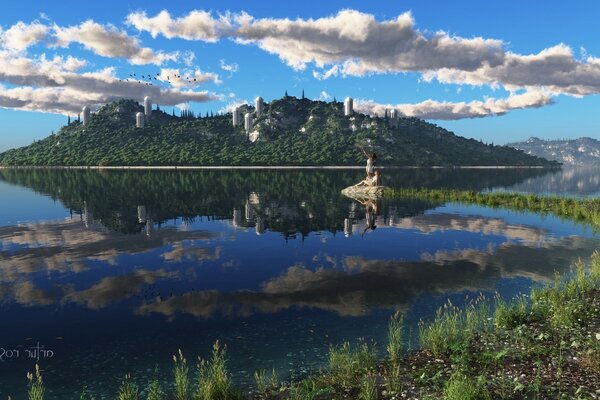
(441, 110)
(52, 85)
(20, 36)
(324, 96)
(349, 35)
(108, 41)
(353, 43)
(233, 67)
(197, 25)
(555, 68)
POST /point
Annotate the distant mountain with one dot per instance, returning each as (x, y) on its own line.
(582, 151)
(290, 131)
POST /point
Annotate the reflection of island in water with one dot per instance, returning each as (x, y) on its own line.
(290, 202)
(113, 205)
(584, 181)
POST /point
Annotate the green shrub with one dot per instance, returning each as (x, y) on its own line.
(347, 365)
(462, 387)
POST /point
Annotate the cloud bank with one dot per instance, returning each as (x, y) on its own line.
(431, 109)
(353, 43)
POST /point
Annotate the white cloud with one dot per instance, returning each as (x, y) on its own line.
(108, 41)
(554, 68)
(353, 43)
(20, 36)
(324, 96)
(233, 67)
(431, 109)
(197, 25)
(52, 85)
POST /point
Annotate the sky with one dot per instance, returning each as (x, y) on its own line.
(495, 71)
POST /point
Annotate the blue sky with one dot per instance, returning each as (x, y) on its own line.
(556, 103)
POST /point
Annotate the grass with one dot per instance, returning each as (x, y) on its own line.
(584, 210)
(395, 344)
(213, 379)
(128, 390)
(181, 374)
(35, 390)
(264, 382)
(347, 364)
(462, 387)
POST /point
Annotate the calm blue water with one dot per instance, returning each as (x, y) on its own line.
(114, 271)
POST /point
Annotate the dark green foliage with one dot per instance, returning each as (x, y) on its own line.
(583, 210)
(291, 131)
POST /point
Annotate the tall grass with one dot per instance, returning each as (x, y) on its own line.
(462, 387)
(155, 390)
(181, 374)
(368, 388)
(509, 315)
(264, 382)
(395, 345)
(213, 379)
(562, 302)
(35, 391)
(128, 390)
(452, 326)
(347, 365)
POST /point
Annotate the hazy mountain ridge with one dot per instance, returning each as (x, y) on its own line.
(290, 131)
(581, 151)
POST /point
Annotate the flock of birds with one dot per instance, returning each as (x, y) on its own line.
(149, 80)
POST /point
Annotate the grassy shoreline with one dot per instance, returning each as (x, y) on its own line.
(585, 210)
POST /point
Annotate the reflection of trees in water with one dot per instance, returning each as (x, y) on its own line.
(579, 181)
(288, 201)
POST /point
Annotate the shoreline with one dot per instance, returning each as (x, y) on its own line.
(251, 167)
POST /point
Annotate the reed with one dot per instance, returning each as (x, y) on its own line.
(181, 374)
(129, 389)
(213, 379)
(35, 391)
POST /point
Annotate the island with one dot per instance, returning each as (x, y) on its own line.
(289, 131)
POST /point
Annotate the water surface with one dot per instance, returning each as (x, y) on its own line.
(113, 271)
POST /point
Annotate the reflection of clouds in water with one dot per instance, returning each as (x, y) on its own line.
(361, 285)
(117, 288)
(189, 252)
(527, 235)
(441, 222)
(65, 246)
(538, 263)
(102, 294)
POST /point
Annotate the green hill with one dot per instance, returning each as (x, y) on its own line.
(290, 131)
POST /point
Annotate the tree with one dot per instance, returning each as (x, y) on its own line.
(286, 95)
(69, 120)
(302, 93)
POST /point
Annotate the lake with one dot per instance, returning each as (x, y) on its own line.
(104, 273)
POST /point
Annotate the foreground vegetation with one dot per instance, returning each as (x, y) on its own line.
(291, 131)
(542, 345)
(580, 210)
